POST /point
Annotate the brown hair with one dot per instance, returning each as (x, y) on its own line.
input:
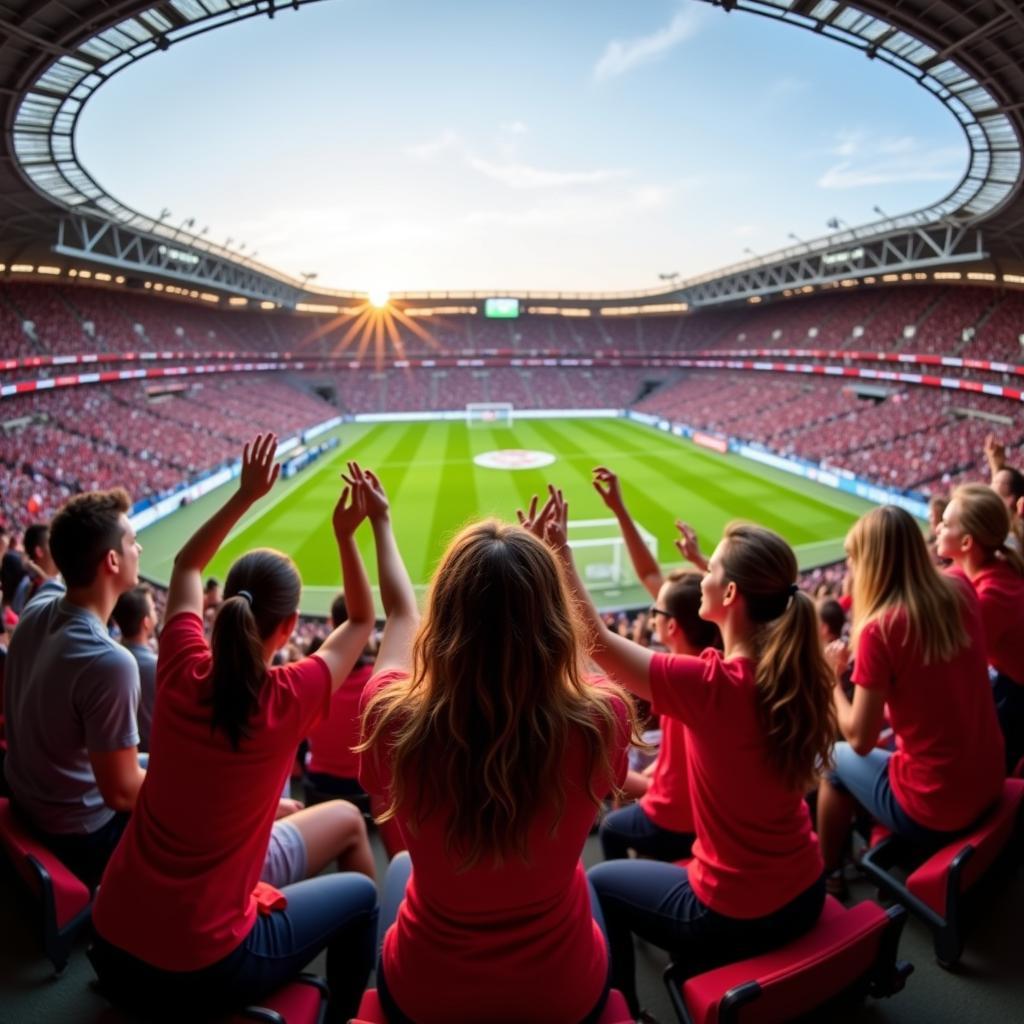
(893, 570)
(497, 688)
(262, 589)
(984, 516)
(794, 680)
(131, 608)
(85, 528)
(682, 602)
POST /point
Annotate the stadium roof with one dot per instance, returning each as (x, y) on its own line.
(54, 54)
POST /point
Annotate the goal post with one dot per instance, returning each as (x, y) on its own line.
(600, 552)
(489, 414)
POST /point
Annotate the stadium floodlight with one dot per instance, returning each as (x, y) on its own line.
(164, 214)
(669, 277)
(835, 223)
(797, 238)
(750, 252)
(378, 297)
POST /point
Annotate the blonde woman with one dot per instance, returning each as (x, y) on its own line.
(919, 646)
(973, 536)
(492, 752)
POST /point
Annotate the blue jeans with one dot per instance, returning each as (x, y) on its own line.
(391, 898)
(337, 912)
(655, 902)
(631, 829)
(866, 779)
(1009, 698)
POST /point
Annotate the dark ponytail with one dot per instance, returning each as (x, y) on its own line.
(261, 591)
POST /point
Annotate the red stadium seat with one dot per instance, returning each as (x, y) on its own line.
(66, 900)
(934, 888)
(848, 952)
(615, 1010)
(303, 1001)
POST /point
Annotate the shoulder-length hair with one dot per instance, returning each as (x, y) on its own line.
(892, 571)
(480, 727)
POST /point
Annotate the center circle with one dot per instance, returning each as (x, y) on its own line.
(513, 458)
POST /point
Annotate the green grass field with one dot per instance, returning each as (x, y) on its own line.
(435, 488)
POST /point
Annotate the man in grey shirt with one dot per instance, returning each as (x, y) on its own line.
(71, 693)
(135, 615)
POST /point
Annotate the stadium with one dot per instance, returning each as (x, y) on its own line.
(881, 364)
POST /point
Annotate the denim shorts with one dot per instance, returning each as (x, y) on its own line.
(866, 779)
(285, 862)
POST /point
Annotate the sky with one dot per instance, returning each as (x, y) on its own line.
(515, 144)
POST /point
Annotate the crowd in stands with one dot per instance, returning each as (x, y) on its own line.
(57, 443)
(787, 708)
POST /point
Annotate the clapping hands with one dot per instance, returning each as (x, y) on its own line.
(551, 523)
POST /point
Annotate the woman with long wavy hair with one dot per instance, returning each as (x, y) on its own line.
(919, 647)
(492, 751)
(759, 724)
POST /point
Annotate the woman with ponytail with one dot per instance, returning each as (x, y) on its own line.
(759, 724)
(973, 536)
(181, 921)
(919, 647)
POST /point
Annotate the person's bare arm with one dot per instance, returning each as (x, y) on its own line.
(646, 567)
(343, 646)
(626, 662)
(259, 471)
(118, 776)
(396, 591)
(860, 720)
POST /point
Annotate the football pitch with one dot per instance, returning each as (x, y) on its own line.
(435, 487)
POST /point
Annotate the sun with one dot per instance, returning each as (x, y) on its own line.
(378, 297)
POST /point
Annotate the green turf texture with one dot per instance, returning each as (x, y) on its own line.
(435, 488)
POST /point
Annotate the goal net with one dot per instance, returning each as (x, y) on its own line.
(600, 552)
(489, 414)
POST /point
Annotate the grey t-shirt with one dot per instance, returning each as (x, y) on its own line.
(68, 689)
(146, 660)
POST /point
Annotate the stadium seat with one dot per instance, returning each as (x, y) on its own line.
(847, 953)
(303, 1001)
(66, 900)
(615, 1010)
(935, 887)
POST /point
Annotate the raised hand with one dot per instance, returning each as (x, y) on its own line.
(373, 495)
(837, 654)
(606, 483)
(688, 545)
(350, 510)
(259, 470)
(556, 522)
(532, 520)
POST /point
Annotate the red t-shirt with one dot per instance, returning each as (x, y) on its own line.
(949, 761)
(177, 892)
(331, 742)
(1001, 595)
(511, 942)
(755, 850)
(667, 800)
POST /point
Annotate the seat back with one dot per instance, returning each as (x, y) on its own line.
(41, 870)
(987, 840)
(302, 1001)
(838, 952)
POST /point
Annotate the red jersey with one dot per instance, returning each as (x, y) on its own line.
(332, 740)
(667, 800)
(514, 941)
(177, 892)
(755, 850)
(949, 761)
(1001, 596)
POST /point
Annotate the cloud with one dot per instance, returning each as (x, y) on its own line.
(579, 211)
(524, 176)
(622, 56)
(866, 162)
(432, 147)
